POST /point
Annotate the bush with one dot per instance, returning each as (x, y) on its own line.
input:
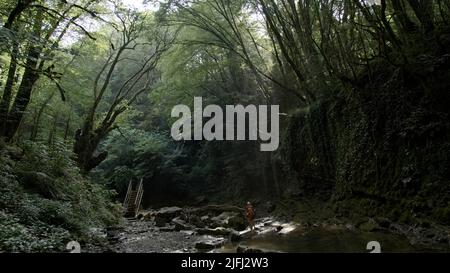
(46, 202)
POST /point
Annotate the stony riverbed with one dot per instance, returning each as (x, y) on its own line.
(218, 229)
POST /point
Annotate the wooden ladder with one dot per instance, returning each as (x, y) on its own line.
(133, 199)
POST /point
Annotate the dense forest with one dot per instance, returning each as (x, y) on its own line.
(87, 89)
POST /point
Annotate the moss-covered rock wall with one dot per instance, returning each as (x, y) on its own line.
(380, 147)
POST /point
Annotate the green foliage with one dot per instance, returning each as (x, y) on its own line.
(46, 202)
(135, 153)
(17, 237)
(366, 146)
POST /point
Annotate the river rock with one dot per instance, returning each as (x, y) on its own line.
(230, 219)
(222, 219)
(268, 229)
(161, 221)
(235, 236)
(287, 228)
(247, 234)
(219, 231)
(199, 222)
(209, 242)
(145, 216)
(237, 222)
(180, 224)
(188, 232)
(164, 215)
(266, 221)
(169, 212)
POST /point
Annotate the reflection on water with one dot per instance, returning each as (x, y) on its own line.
(329, 241)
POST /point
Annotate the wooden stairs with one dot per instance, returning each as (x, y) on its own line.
(133, 200)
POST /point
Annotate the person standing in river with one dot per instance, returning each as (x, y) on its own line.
(250, 215)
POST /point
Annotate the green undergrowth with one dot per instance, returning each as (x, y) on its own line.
(45, 202)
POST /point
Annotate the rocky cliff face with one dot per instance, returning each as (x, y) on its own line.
(380, 149)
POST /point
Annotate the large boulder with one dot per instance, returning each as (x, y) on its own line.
(221, 220)
(165, 215)
(230, 219)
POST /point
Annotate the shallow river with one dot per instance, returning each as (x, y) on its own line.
(329, 241)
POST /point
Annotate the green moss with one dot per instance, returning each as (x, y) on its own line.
(381, 149)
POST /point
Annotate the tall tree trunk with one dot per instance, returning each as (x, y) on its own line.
(401, 17)
(85, 146)
(22, 99)
(424, 12)
(30, 76)
(7, 91)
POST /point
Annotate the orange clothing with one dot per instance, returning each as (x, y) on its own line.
(249, 212)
